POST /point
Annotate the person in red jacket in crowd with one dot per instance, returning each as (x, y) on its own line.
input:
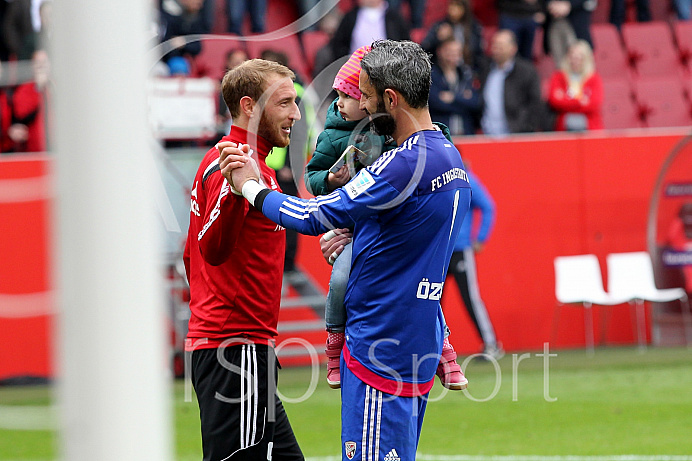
(22, 111)
(5, 118)
(30, 101)
(576, 91)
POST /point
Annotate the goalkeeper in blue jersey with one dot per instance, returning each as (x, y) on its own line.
(406, 211)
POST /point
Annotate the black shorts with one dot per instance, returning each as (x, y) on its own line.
(242, 417)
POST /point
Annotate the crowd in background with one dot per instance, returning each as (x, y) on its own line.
(482, 83)
(25, 28)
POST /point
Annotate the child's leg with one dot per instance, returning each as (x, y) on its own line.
(448, 370)
(335, 315)
(334, 312)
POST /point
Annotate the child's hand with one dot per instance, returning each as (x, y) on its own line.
(338, 179)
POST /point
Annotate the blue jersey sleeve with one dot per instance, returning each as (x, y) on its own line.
(365, 195)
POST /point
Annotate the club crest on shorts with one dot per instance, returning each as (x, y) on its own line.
(350, 449)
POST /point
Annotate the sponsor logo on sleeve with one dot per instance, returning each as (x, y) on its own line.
(359, 184)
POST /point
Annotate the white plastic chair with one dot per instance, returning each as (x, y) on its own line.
(631, 276)
(578, 281)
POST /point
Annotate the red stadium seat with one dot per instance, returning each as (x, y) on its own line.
(683, 36)
(211, 62)
(609, 55)
(662, 100)
(313, 41)
(288, 44)
(619, 108)
(650, 46)
(687, 87)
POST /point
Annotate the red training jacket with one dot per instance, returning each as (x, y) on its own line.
(562, 103)
(234, 256)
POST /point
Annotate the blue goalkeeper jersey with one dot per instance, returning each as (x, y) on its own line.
(406, 210)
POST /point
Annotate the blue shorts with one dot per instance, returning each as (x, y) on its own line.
(376, 426)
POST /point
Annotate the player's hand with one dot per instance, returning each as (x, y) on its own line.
(237, 164)
(338, 179)
(231, 155)
(478, 247)
(333, 242)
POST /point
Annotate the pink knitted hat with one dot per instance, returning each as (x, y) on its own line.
(347, 78)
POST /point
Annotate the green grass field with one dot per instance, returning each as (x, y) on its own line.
(619, 402)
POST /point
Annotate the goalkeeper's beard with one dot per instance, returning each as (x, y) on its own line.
(383, 123)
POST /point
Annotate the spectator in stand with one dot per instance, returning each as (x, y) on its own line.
(460, 24)
(683, 8)
(566, 22)
(191, 21)
(511, 90)
(23, 112)
(236, 14)
(4, 54)
(312, 15)
(617, 12)
(576, 91)
(522, 17)
(234, 58)
(45, 30)
(370, 20)
(209, 14)
(455, 98)
(329, 24)
(5, 115)
(416, 7)
(679, 239)
(18, 30)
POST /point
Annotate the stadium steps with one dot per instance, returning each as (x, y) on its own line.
(301, 321)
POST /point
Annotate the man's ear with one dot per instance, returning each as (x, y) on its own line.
(391, 99)
(247, 106)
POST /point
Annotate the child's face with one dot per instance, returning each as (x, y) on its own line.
(349, 107)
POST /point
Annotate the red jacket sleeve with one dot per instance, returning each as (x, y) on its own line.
(222, 219)
(558, 99)
(593, 87)
(25, 102)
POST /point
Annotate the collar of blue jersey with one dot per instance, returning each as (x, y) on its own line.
(257, 142)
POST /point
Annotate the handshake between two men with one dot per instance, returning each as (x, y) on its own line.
(238, 166)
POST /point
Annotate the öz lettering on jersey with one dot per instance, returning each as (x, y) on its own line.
(427, 290)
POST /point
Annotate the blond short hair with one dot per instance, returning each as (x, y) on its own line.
(250, 79)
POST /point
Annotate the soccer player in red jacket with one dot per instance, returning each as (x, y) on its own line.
(234, 260)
